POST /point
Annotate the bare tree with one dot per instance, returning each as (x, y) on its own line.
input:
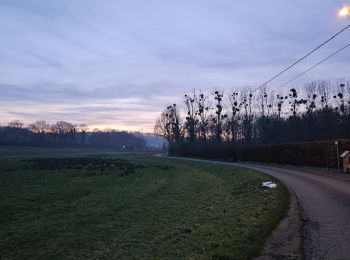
(41, 128)
(311, 94)
(234, 116)
(16, 124)
(267, 117)
(262, 99)
(62, 129)
(341, 94)
(203, 106)
(191, 115)
(280, 99)
(323, 90)
(16, 132)
(163, 127)
(218, 117)
(247, 123)
(168, 125)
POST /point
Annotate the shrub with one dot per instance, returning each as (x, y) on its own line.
(317, 154)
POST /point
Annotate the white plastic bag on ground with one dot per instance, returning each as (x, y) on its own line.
(269, 184)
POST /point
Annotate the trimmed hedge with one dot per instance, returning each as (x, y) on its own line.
(205, 150)
(317, 154)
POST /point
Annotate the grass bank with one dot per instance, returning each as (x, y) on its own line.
(133, 206)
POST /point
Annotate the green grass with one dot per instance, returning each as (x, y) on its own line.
(133, 206)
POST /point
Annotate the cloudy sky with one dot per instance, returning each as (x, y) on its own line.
(117, 63)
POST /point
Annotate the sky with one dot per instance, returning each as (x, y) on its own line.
(118, 63)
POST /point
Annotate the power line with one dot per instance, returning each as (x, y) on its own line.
(302, 58)
(314, 66)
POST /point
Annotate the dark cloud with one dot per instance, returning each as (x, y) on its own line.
(119, 62)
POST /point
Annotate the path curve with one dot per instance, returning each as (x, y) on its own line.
(324, 198)
(325, 201)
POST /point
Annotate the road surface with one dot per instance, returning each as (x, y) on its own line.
(325, 201)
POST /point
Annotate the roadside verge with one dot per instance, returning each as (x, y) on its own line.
(285, 242)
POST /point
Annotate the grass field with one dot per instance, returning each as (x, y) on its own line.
(132, 206)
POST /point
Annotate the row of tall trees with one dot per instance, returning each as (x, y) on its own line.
(319, 111)
(65, 133)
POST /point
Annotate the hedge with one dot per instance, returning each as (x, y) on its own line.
(205, 150)
(317, 154)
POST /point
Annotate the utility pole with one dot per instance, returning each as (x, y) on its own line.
(337, 147)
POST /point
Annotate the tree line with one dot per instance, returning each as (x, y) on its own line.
(67, 134)
(319, 111)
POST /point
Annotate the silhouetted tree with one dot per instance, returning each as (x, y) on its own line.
(41, 128)
(62, 130)
(191, 115)
(169, 125)
(203, 106)
(232, 123)
(320, 111)
(217, 119)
